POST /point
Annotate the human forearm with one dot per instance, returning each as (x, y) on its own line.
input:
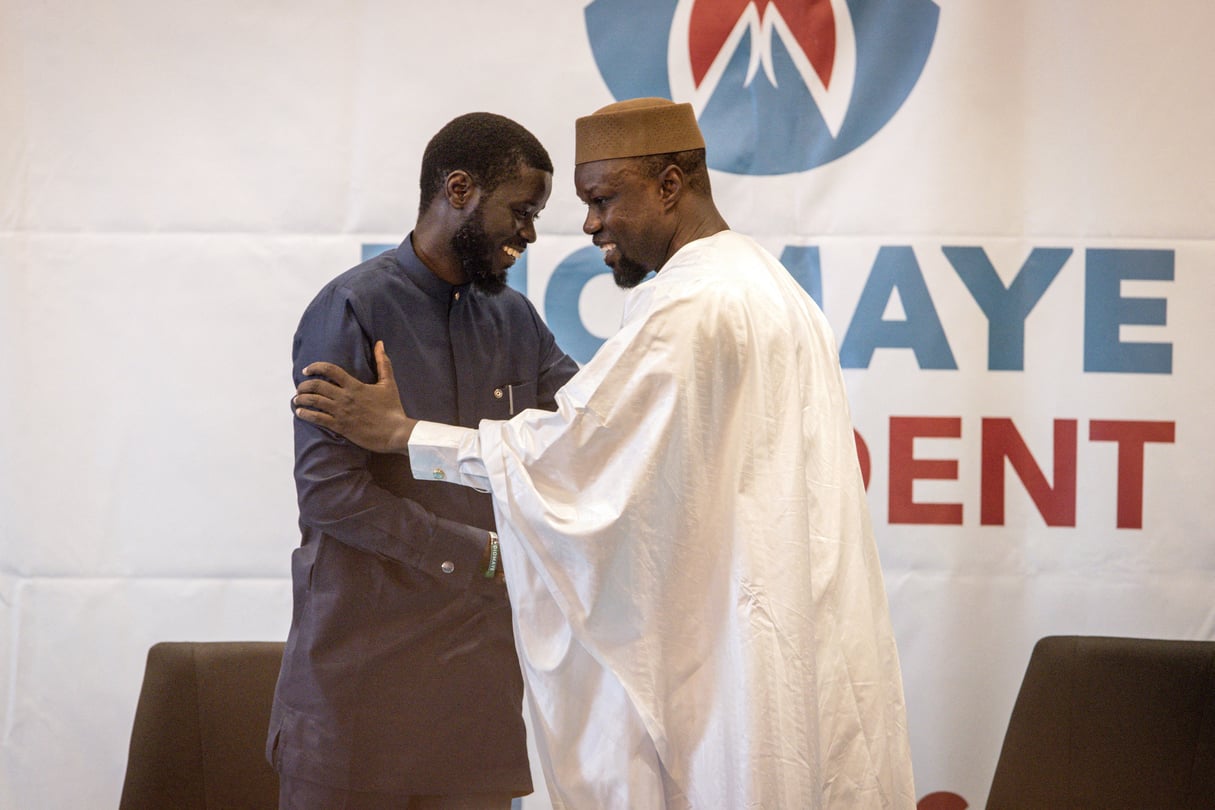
(372, 505)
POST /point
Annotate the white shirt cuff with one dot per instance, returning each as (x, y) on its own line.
(440, 452)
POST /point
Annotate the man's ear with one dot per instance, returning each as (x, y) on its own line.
(671, 185)
(459, 188)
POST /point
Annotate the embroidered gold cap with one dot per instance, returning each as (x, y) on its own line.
(639, 126)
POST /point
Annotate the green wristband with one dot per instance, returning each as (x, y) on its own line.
(493, 556)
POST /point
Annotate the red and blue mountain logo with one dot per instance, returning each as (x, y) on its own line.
(779, 86)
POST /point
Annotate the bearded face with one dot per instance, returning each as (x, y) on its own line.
(628, 273)
(479, 255)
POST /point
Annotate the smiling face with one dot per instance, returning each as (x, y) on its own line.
(500, 226)
(626, 217)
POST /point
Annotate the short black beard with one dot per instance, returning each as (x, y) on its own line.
(628, 273)
(472, 247)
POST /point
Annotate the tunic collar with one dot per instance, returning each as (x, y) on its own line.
(421, 275)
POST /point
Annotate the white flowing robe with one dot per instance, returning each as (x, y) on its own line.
(698, 605)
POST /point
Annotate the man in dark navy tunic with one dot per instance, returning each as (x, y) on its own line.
(400, 685)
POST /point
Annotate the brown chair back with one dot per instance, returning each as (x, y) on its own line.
(199, 734)
(1111, 723)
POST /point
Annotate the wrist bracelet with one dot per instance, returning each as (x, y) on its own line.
(493, 556)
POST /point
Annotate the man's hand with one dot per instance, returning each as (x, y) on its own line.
(371, 416)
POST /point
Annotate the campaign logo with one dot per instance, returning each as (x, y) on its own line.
(779, 86)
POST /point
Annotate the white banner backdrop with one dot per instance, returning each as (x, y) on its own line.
(1015, 249)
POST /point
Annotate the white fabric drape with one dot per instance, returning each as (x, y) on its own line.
(698, 602)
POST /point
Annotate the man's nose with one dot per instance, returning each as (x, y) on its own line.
(528, 231)
(591, 224)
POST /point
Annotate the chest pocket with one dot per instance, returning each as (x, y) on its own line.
(507, 399)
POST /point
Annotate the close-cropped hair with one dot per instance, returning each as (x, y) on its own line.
(490, 147)
(691, 162)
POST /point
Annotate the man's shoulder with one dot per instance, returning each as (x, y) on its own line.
(728, 277)
(364, 281)
(368, 275)
(713, 265)
(734, 246)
